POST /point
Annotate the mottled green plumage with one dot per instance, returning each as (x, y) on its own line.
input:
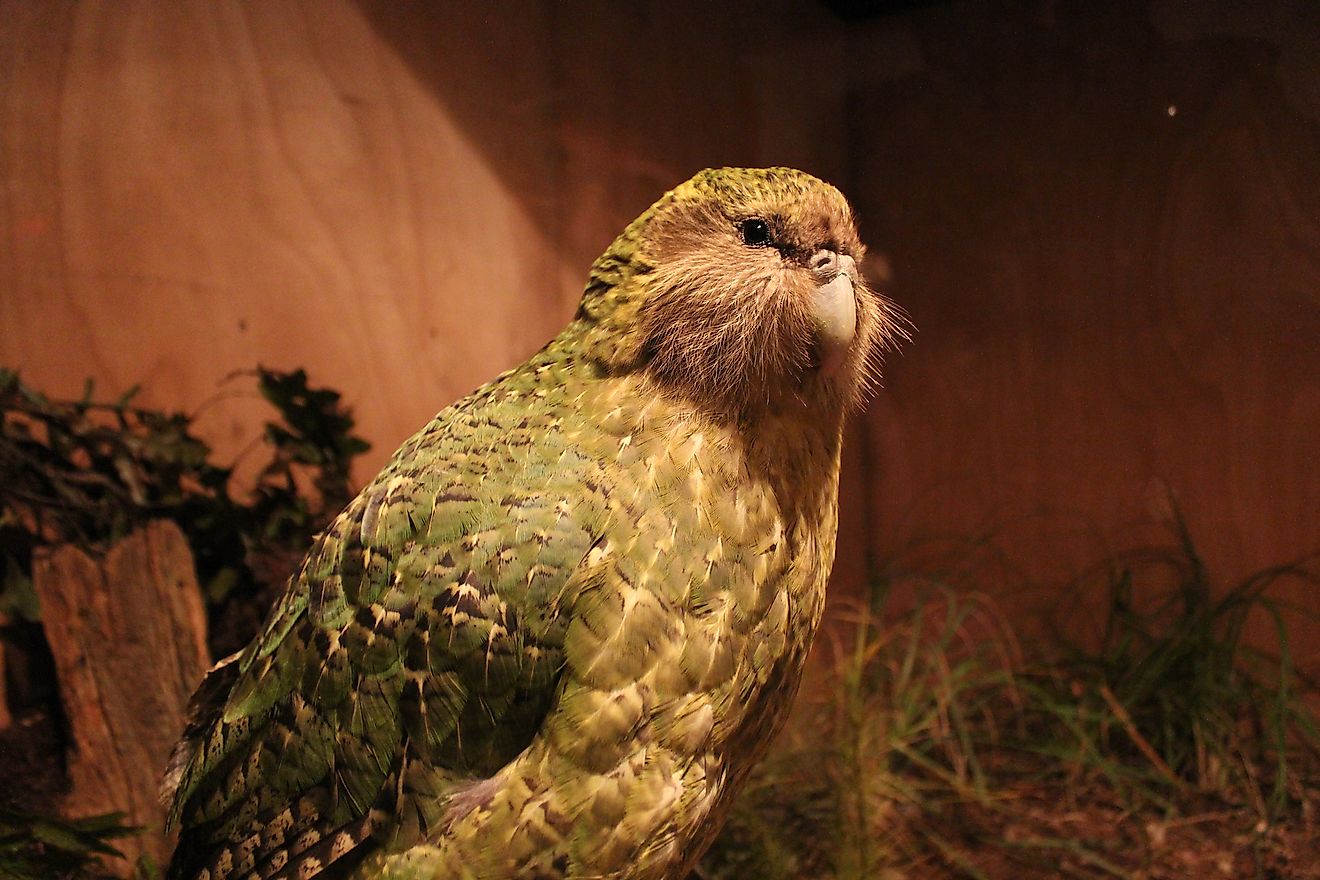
(552, 636)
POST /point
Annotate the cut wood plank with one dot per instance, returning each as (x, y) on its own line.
(128, 633)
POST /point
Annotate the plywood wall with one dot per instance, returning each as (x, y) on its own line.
(403, 198)
(1105, 222)
(193, 188)
(1102, 217)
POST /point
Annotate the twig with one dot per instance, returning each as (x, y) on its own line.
(1142, 744)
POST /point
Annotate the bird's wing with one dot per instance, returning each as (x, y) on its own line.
(416, 650)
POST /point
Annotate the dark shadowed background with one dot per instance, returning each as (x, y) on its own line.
(1102, 217)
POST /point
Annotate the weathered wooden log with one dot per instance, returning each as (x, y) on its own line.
(128, 634)
(5, 718)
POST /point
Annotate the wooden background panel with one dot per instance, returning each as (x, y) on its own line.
(1107, 238)
(195, 188)
(632, 99)
(403, 198)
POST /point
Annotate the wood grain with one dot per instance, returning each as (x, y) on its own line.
(1109, 241)
(404, 197)
(194, 188)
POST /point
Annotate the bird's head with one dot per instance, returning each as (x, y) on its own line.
(741, 290)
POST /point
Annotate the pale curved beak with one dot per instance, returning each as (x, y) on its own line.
(834, 306)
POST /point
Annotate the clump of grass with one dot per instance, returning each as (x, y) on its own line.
(35, 847)
(866, 777)
(1174, 700)
(918, 705)
(936, 749)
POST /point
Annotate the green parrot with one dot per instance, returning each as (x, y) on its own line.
(555, 633)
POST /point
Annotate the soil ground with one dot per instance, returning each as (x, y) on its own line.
(1033, 833)
(1046, 834)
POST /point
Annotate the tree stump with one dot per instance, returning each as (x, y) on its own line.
(128, 633)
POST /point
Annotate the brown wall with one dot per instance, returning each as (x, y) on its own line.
(404, 198)
(1104, 220)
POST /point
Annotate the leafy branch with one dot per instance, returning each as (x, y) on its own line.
(89, 471)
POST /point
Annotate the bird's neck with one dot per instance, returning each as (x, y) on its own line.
(790, 440)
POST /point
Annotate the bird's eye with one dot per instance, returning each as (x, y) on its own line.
(755, 232)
